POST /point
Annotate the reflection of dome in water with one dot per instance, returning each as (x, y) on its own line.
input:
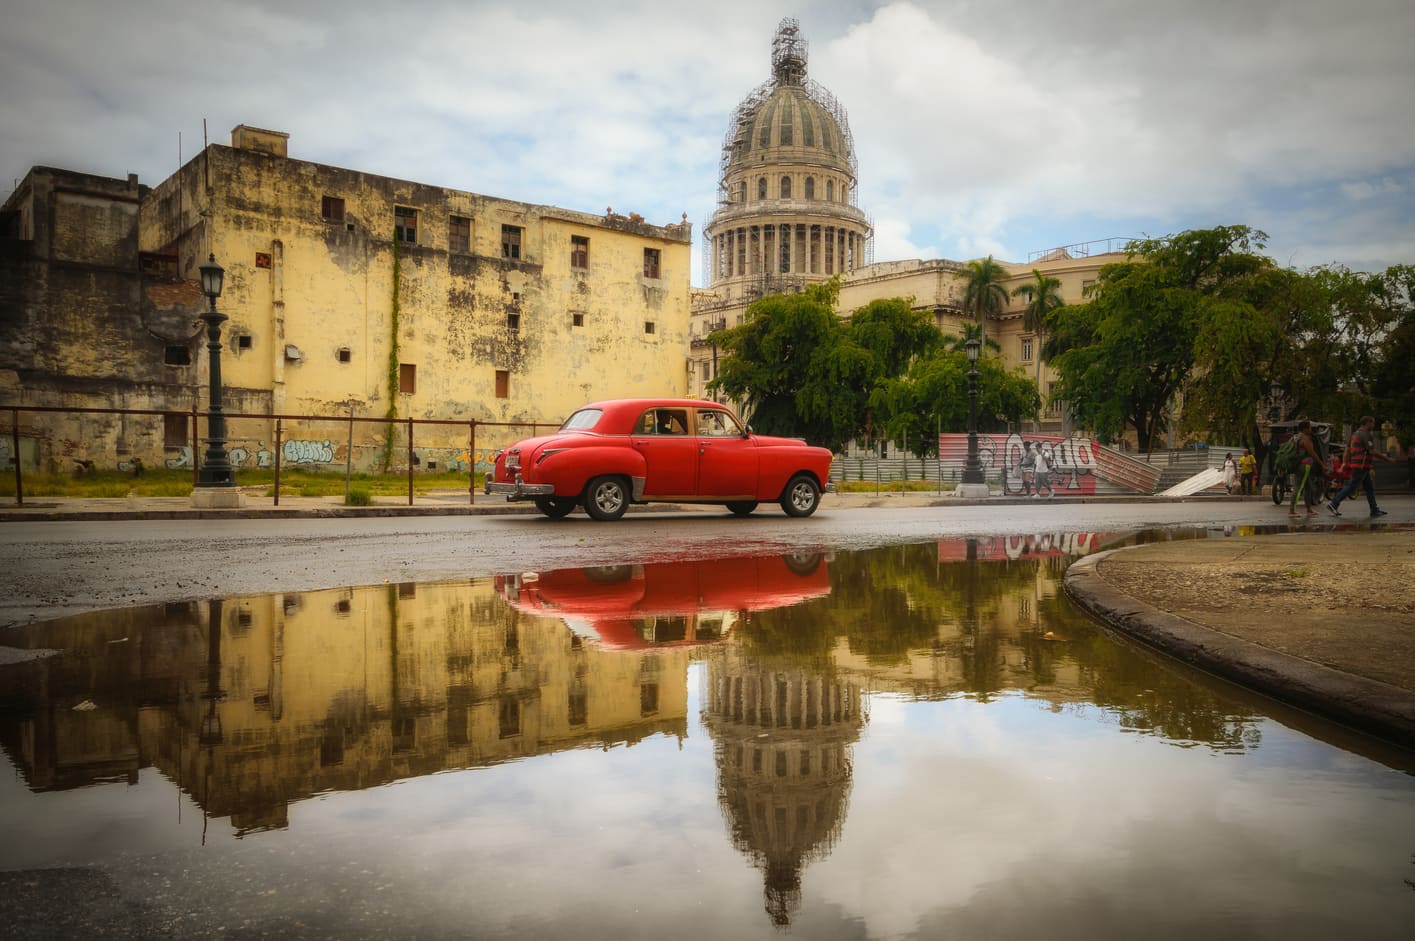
(783, 755)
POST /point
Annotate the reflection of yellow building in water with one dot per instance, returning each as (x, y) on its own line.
(280, 698)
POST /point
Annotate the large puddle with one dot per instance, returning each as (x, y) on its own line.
(917, 741)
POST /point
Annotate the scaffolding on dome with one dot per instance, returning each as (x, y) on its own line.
(789, 54)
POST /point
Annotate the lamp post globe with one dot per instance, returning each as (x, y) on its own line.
(215, 475)
(973, 484)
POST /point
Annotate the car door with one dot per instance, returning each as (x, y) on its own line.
(727, 457)
(670, 453)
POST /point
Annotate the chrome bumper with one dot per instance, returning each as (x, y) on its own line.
(519, 490)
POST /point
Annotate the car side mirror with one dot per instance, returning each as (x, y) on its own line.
(748, 433)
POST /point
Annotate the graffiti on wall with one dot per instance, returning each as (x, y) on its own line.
(183, 458)
(297, 451)
(1074, 460)
(241, 454)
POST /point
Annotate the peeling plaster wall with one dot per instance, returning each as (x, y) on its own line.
(102, 288)
(86, 323)
(305, 290)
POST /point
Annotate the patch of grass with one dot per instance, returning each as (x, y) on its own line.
(162, 482)
(890, 486)
(1296, 573)
(358, 498)
(104, 483)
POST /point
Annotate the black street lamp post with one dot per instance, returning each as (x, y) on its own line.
(215, 466)
(973, 470)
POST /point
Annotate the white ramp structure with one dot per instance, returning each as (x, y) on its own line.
(1211, 477)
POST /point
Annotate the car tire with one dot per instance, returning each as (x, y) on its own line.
(606, 498)
(555, 507)
(801, 496)
(742, 507)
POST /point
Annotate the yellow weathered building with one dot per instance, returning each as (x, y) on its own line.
(345, 292)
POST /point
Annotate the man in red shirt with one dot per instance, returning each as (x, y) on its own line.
(1360, 451)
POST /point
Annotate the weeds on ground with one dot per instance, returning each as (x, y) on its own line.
(890, 486)
(165, 482)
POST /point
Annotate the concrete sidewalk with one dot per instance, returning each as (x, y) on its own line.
(1321, 621)
(456, 503)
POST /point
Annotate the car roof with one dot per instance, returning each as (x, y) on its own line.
(621, 414)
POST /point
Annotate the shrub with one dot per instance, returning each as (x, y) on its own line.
(358, 498)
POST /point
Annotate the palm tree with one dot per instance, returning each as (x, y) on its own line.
(1043, 295)
(971, 331)
(983, 293)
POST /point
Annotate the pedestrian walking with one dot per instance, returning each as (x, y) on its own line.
(1248, 470)
(1360, 451)
(1230, 473)
(1044, 465)
(1309, 462)
(1028, 468)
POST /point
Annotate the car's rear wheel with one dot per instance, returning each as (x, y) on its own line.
(801, 496)
(742, 507)
(606, 498)
(555, 507)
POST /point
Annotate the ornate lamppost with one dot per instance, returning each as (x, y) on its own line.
(973, 484)
(216, 482)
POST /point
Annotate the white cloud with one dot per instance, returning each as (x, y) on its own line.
(1001, 127)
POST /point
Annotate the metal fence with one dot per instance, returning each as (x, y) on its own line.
(170, 438)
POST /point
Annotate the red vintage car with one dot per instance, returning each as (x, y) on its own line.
(656, 604)
(610, 454)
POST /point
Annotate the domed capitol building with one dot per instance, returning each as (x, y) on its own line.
(788, 216)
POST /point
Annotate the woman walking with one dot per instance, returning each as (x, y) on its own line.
(1310, 465)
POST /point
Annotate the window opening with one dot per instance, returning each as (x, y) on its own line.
(344, 355)
(651, 261)
(405, 224)
(331, 209)
(786, 187)
(513, 321)
(510, 241)
(177, 356)
(579, 251)
(174, 431)
(407, 378)
(503, 384)
(459, 234)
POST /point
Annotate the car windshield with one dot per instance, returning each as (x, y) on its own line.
(583, 420)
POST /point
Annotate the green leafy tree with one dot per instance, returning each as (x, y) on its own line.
(933, 395)
(1122, 356)
(798, 370)
(789, 367)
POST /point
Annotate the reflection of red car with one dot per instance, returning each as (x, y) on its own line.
(610, 454)
(659, 603)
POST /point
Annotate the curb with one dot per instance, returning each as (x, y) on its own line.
(1367, 705)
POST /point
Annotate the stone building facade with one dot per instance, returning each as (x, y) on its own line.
(347, 293)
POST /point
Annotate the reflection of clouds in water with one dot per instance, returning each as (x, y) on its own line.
(1129, 822)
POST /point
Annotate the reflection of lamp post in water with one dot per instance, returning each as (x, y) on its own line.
(973, 484)
(210, 733)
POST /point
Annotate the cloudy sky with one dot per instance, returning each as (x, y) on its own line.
(981, 126)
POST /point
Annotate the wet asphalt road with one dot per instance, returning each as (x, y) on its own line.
(51, 569)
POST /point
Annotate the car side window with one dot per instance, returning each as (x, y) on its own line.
(713, 423)
(663, 421)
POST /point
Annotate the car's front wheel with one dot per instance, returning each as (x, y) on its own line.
(606, 498)
(555, 507)
(801, 496)
(742, 507)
